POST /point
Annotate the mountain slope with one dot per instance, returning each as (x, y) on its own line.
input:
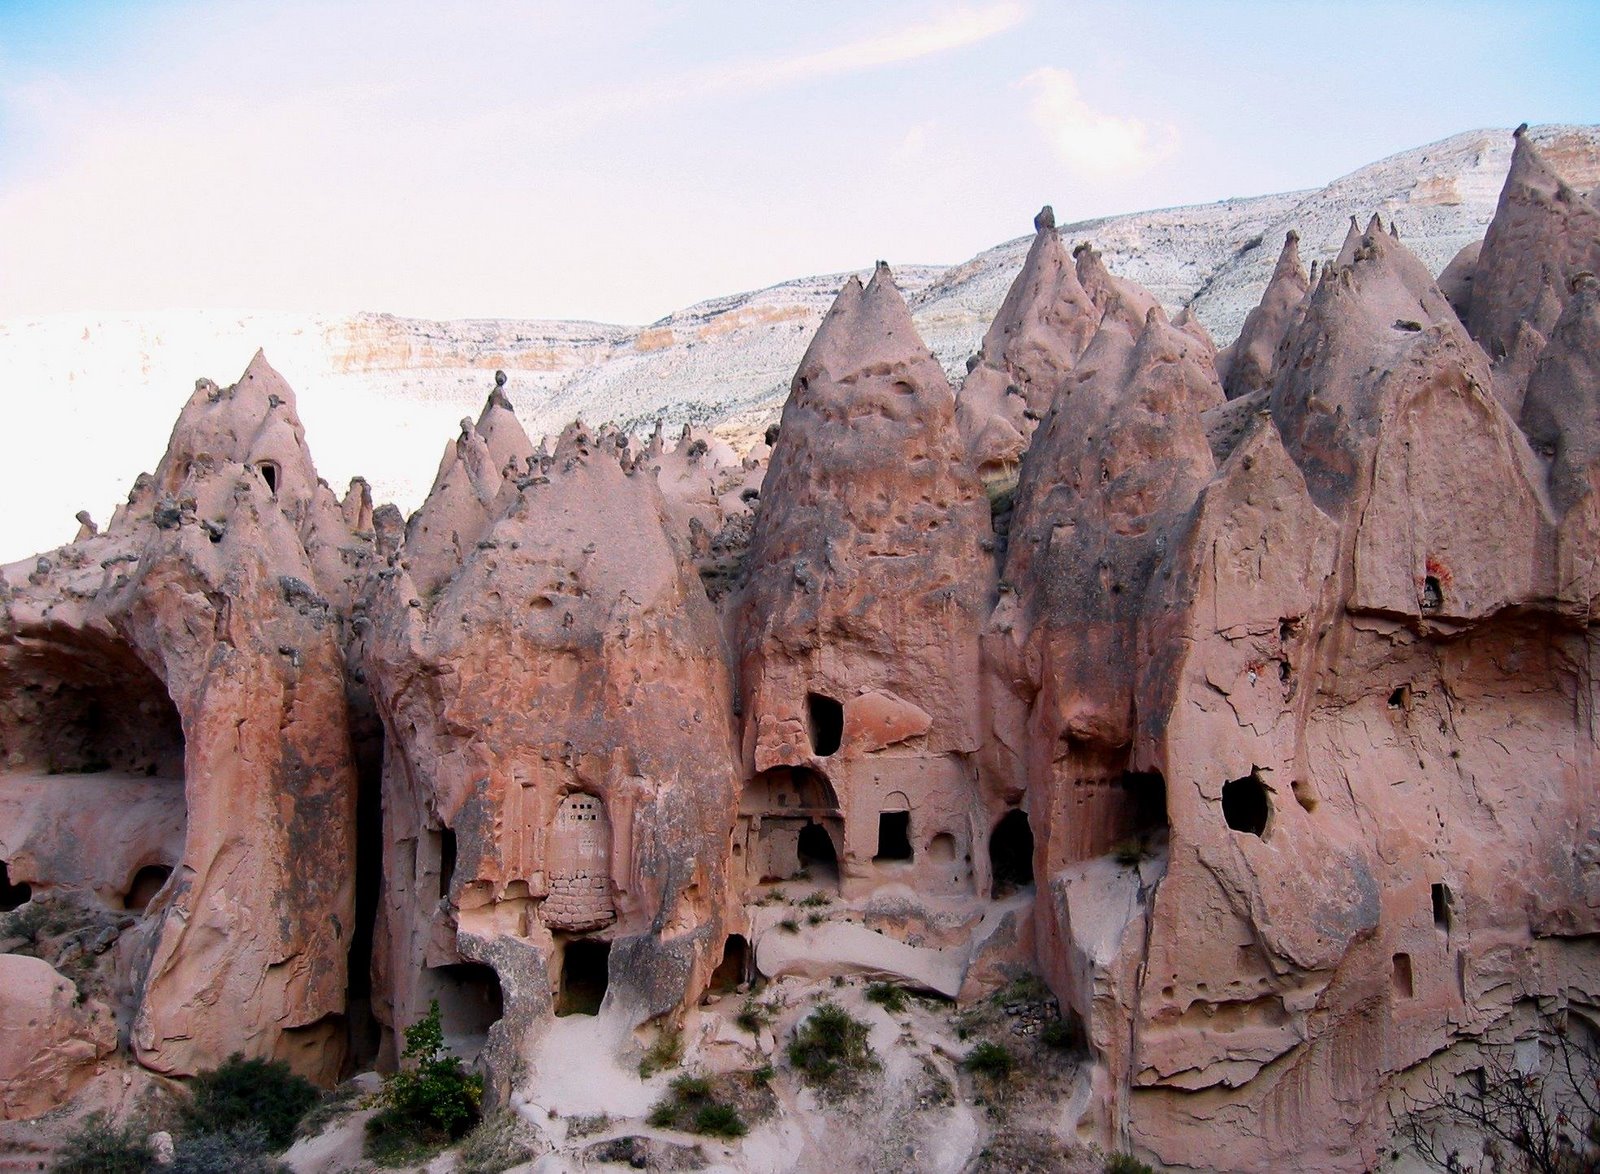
(381, 395)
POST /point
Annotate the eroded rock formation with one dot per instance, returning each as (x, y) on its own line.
(1261, 724)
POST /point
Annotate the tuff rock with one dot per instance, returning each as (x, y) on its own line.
(1247, 697)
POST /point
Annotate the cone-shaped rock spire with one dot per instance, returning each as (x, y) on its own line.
(1543, 235)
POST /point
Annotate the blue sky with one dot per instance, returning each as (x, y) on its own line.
(618, 160)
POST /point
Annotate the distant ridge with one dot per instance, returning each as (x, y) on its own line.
(377, 392)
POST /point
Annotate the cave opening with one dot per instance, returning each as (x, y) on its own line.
(1400, 975)
(1246, 805)
(147, 882)
(1441, 906)
(13, 895)
(825, 724)
(894, 837)
(585, 975)
(82, 704)
(1147, 800)
(447, 861)
(731, 971)
(269, 474)
(367, 746)
(470, 1003)
(1011, 854)
(816, 846)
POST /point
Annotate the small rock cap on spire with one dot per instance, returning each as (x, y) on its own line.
(1045, 220)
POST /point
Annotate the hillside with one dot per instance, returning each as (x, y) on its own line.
(382, 394)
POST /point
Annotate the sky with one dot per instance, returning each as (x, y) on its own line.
(615, 161)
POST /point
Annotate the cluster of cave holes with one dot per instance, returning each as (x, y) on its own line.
(1247, 805)
(1010, 854)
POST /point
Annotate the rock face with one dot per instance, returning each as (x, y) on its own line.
(49, 1042)
(858, 626)
(1260, 724)
(179, 680)
(559, 764)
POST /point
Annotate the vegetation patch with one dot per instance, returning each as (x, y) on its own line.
(666, 1052)
(259, 1095)
(692, 1106)
(99, 1147)
(499, 1142)
(888, 996)
(240, 1150)
(830, 1049)
(990, 1059)
(426, 1105)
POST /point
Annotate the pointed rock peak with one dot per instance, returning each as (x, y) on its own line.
(1394, 228)
(501, 431)
(1522, 129)
(1045, 221)
(1374, 225)
(1289, 258)
(497, 395)
(1352, 242)
(882, 278)
(1188, 322)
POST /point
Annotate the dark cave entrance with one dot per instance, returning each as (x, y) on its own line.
(585, 975)
(894, 837)
(825, 723)
(12, 896)
(1011, 854)
(732, 970)
(447, 861)
(367, 746)
(816, 847)
(269, 474)
(470, 1003)
(147, 882)
(1246, 805)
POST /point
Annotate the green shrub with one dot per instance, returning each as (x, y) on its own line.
(719, 1120)
(830, 1045)
(888, 996)
(990, 1059)
(753, 1016)
(99, 1147)
(244, 1150)
(242, 1093)
(425, 1106)
(1126, 1164)
(691, 1105)
(789, 925)
(817, 899)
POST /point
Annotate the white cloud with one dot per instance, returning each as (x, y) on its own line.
(1089, 140)
(953, 29)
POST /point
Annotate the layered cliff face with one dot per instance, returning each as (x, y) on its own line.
(559, 765)
(173, 720)
(1248, 698)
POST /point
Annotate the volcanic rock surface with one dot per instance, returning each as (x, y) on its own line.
(1246, 697)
